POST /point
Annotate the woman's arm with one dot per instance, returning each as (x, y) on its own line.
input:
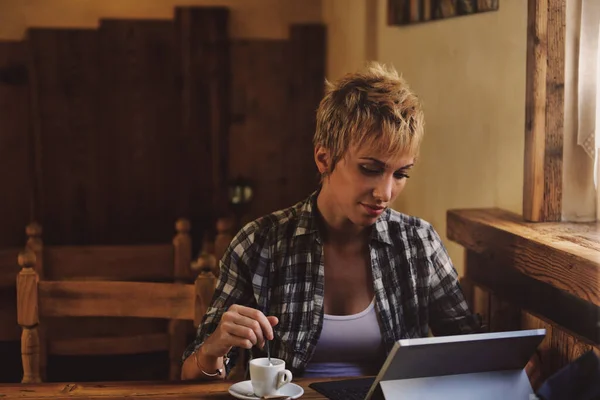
(202, 366)
(240, 326)
(449, 313)
(231, 320)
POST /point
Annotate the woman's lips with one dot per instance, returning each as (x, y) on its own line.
(373, 210)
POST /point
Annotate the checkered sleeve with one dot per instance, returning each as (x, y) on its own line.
(449, 313)
(234, 287)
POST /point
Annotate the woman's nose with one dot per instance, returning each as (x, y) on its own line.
(383, 191)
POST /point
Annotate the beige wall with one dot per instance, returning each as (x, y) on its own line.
(249, 18)
(470, 74)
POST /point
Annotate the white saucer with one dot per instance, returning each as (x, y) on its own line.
(243, 390)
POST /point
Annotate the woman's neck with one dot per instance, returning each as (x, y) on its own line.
(337, 229)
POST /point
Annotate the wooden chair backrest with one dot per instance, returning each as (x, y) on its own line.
(144, 262)
(116, 299)
(164, 262)
(37, 298)
(145, 281)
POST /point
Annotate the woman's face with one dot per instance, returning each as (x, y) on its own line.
(365, 182)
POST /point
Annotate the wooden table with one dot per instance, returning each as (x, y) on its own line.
(147, 390)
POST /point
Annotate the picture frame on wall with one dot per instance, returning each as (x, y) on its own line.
(407, 12)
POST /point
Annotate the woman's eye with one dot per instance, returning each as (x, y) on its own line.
(369, 171)
(400, 175)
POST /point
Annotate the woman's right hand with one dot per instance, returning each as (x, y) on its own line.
(240, 326)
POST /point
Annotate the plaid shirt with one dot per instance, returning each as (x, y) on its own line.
(275, 264)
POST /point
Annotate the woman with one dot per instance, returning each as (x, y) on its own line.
(335, 280)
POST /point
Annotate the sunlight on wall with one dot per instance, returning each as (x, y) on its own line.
(470, 74)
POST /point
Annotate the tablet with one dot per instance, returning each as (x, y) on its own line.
(494, 360)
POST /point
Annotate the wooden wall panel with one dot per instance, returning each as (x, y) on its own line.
(140, 125)
(559, 346)
(307, 83)
(127, 127)
(205, 72)
(277, 86)
(15, 201)
(519, 302)
(16, 198)
(258, 136)
(65, 81)
(510, 285)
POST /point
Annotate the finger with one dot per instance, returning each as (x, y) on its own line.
(241, 332)
(252, 324)
(258, 316)
(236, 341)
(273, 320)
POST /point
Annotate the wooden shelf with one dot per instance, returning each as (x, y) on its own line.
(563, 255)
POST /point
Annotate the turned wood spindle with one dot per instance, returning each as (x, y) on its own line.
(35, 244)
(205, 288)
(182, 243)
(224, 237)
(27, 316)
(182, 246)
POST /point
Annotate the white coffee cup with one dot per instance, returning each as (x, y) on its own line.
(268, 379)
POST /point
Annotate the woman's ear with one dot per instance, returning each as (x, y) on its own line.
(322, 159)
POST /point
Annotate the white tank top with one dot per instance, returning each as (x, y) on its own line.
(349, 345)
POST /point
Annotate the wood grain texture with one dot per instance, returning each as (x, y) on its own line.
(178, 330)
(203, 46)
(277, 86)
(147, 390)
(555, 99)
(260, 88)
(35, 244)
(204, 288)
(544, 114)
(65, 67)
(178, 335)
(182, 251)
(27, 298)
(134, 344)
(535, 110)
(563, 255)
(307, 85)
(141, 131)
(14, 143)
(558, 348)
(507, 284)
(116, 299)
(30, 355)
(135, 262)
(503, 316)
(518, 302)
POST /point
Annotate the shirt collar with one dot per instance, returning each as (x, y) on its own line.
(307, 221)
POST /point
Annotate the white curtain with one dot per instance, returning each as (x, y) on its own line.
(581, 199)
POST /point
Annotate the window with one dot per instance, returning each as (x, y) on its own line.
(581, 197)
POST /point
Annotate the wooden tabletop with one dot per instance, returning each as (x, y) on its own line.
(147, 390)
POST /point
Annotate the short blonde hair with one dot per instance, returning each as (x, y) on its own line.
(373, 107)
